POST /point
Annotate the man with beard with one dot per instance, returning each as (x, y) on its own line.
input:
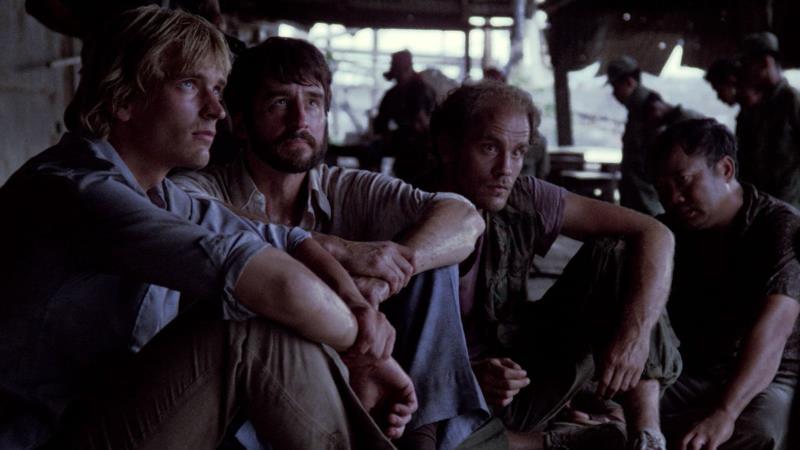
(734, 298)
(604, 316)
(386, 233)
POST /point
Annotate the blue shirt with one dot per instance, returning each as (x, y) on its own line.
(91, 268)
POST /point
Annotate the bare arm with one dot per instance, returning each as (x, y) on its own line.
(758, 364)
(278, 287)
(376, 335)
(651, 247)
(332, 273)
(385, 261)
(762, 353)
(446, 234)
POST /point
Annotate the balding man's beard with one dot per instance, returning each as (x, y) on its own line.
(284, 159)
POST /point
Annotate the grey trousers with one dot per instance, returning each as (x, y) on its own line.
(184, 388)
(763, 425)
(432, 348)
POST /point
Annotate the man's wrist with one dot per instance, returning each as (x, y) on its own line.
(632, 334)
(356, 302)
(332, 244)
(725, 412)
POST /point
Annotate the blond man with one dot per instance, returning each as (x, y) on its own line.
(96, 353)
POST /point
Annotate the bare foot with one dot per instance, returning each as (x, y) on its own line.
(387, 393)
(594, 416)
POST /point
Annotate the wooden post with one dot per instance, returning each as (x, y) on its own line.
(563, 108)
(517, 34)
(467, 61)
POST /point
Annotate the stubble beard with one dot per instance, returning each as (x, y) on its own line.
(279, 155)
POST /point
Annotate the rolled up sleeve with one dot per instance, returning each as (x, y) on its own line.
(195, 246)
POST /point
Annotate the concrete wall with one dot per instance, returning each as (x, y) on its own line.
(32, 95)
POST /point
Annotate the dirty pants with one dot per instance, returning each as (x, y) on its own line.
(563, 332)
(186, 385)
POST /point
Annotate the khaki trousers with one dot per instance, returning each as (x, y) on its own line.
(185, 387)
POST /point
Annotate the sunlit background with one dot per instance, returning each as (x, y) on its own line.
(358, 58)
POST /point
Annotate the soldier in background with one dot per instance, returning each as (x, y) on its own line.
(769, 134)
(403, 118)
(636, 191)
(723, 76)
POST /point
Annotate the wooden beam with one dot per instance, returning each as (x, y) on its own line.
(563, 108)
(467, 60)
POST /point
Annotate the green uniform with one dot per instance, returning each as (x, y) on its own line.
(554, 338)
(635, 189)
(769, 144)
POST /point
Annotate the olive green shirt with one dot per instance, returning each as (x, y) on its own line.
(635, 189)
(769, 144)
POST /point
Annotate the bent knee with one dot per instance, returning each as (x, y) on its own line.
(756, 433)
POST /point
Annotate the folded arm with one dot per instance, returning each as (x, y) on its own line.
(446, 234)
(276, 286)
(375, 339)
(650, 248)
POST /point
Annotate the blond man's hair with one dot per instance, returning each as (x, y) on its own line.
(134, 54)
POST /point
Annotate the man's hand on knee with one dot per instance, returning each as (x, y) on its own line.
(709, 433)
(375, 290)
(621, 364)
(385, 260)
(500, 380)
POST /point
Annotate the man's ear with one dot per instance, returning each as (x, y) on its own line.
(123, 112)
(727, 168)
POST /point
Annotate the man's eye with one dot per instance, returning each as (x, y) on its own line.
(187, 84)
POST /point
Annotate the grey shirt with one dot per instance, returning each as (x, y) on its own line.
(91, 269)
(357, 205)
